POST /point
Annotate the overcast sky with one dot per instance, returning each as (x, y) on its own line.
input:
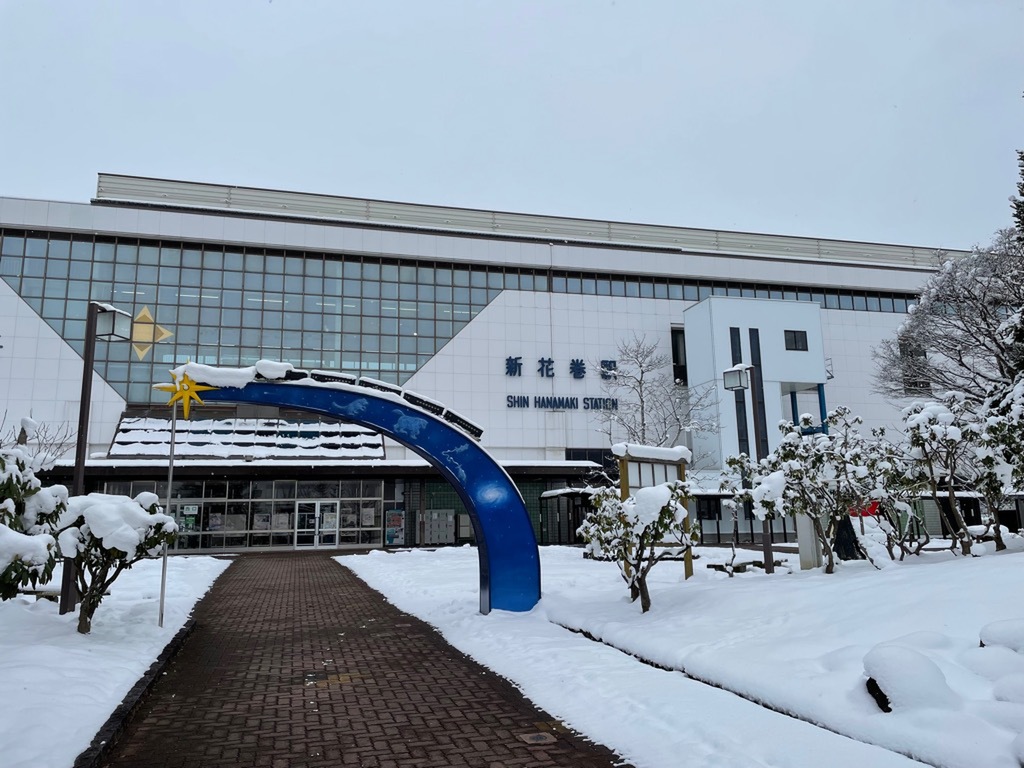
(880, 120)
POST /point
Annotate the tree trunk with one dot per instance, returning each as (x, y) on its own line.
(645, 595)
(961, 533)
(998, 534)
(830, 566)
(91, 598)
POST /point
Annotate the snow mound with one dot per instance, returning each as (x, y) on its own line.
(1008, 633)
(909, 679)
(1009, 688)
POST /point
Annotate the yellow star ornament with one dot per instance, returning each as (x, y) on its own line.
(185, 390)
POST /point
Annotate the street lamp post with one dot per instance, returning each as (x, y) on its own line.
(101, 321)
(735, 379)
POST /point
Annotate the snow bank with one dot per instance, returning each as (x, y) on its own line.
(58, 687)
(909, 679)
(1008, 633)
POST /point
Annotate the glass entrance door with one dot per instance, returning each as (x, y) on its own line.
(316, 524)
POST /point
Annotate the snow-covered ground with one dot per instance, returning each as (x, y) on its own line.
(797, 642)
(57, 687)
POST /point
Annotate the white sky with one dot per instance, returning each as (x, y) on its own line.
(884, 120)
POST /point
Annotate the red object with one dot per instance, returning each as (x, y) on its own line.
(870, 510)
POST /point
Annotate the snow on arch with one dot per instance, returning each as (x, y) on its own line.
(509, 558)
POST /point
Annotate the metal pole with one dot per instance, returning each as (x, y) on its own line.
(766, 524)
(167, 511)
(68, 585)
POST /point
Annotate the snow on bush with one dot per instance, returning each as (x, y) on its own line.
(909, 679)
(633, 532)
(1008, 633)
(106, 535)
(28, 517)
(30, 552)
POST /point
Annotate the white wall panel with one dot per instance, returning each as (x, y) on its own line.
(41, 376)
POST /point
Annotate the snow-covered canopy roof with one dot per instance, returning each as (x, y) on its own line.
(652, 453)
(140, 438)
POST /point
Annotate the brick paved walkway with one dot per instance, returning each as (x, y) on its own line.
(295, 662)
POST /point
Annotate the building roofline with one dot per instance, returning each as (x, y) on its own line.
(169, 193)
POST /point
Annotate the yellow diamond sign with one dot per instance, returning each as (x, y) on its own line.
(145, 333)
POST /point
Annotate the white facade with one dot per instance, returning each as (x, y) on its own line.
(40, 373)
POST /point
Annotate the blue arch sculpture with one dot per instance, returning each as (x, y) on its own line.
(509, 558)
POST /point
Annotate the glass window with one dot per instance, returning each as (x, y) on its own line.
(149, 274)
(124, 273)
(36, 246)
(887, 304)
(213, 259)
(33, 267)
(859, 302)
(874, 305)
(78, 289)
(148, 254)
(796, 340)
(234, 261)
(170, 257)
(254, 262)
(845, 301)
(831, 301)
(60, 249)
(13, 246)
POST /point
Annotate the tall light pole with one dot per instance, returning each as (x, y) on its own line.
(735, 379)
(101, 321)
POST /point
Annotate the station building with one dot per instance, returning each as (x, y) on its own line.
(515, 321)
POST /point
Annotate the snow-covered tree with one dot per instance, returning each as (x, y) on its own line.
(823, 475)
(1018, 202)
(103, 534)
(106, 535)
(953, 339)
(638, 532)
(898, 519)
(653, 408)
(1004, 413)
(944, 436)
(28, 510)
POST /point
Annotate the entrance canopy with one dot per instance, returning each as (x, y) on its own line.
(509, 559)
